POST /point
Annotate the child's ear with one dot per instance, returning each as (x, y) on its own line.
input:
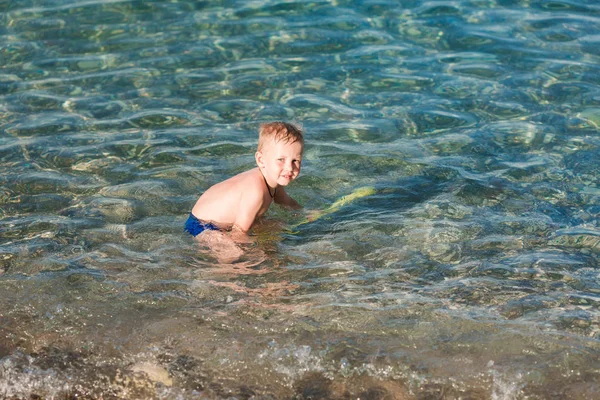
(259, 159)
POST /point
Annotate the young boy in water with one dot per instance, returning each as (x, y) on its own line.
(237, 202)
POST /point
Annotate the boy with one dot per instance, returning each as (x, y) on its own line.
(238, 201)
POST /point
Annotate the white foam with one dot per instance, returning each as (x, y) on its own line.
(20, 378)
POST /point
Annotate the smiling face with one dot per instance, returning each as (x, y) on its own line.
(280, 162)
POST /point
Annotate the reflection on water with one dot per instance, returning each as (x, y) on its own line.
(470, 271)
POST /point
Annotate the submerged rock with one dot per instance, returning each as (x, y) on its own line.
(114, 210)
(154, 372)
(578, 237)
(517, 308)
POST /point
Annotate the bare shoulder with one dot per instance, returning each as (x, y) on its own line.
(250, 182)
(238, 183)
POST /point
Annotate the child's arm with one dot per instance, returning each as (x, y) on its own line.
(284, 199)
(251, 202)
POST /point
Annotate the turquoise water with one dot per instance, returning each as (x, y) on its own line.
(471, 273)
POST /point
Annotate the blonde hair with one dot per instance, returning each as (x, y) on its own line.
(290, 133)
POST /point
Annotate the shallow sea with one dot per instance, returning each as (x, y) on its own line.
(471, 272)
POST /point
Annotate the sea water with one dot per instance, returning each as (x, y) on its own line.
(471, 272)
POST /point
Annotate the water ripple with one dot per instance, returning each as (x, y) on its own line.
(474, 124)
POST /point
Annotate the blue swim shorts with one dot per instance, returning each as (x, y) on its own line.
(195, 227)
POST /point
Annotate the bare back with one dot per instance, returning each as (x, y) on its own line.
(238, 200)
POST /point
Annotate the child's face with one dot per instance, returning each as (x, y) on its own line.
(281, 161)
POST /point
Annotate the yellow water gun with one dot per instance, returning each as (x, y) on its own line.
(339, 203)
